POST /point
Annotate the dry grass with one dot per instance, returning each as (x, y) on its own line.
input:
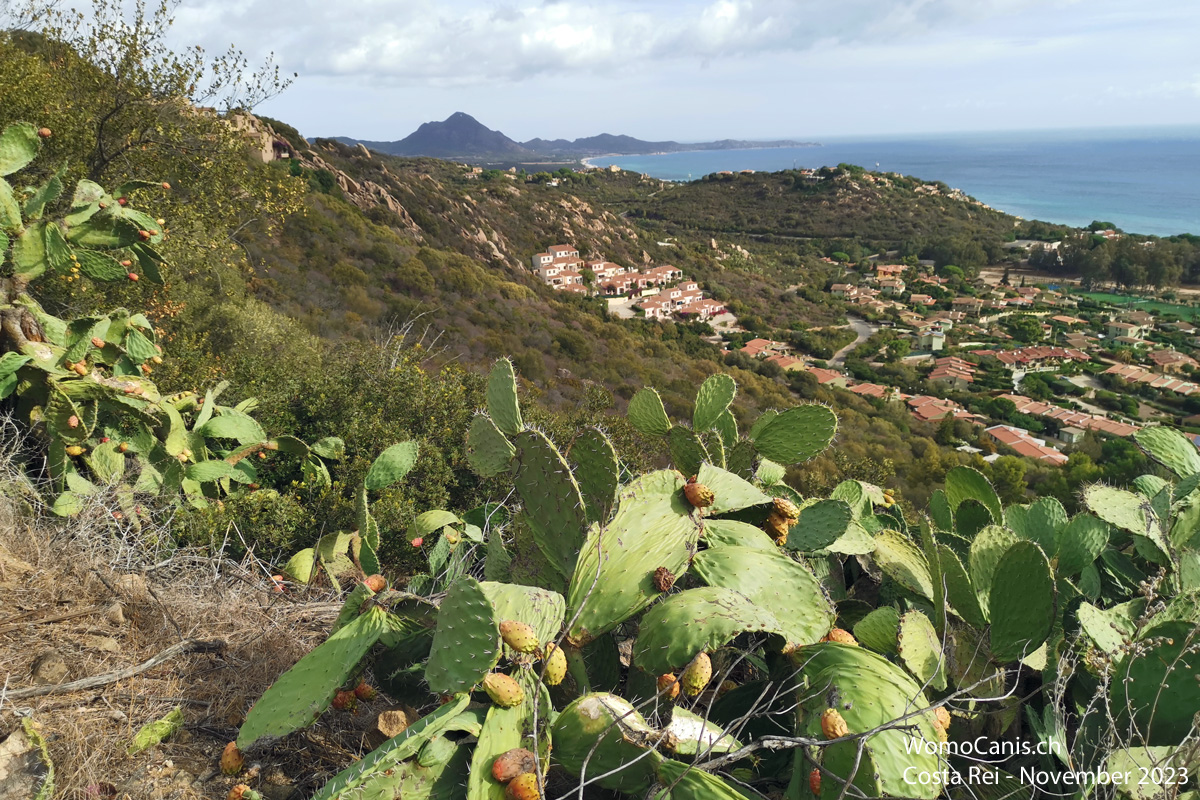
(49, 568)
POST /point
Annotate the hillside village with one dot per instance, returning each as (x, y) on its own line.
(1029, 370)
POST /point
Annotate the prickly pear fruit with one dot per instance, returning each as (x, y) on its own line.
(841, 636)
(523, 787)
(417, 542)
(364, 692)
(814, 781)
(75, 450)
(80, 369)
(133, 276)
(72, 421)
(97, 341)
(453, 537)
(515, 762)
(664, 579)
(785, 508)
(668, 686)
(278, 582)
(698, 494)
(345, 701)
(833, 725)
(503, 690)
(232, 760)
(556, 664)
(697, 675)
(242, 792)
(518, 636)
(941, 718)
(777, 527)
(376, 583)
(44, 133)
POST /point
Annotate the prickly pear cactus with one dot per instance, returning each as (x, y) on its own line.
(466, 644)
(604, 735)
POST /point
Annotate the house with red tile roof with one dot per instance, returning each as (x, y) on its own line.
(1023, 443)
(953, 372)
(787, 363)
(827, 377)
(1171, 361)
(760, 348)
(1077, 419)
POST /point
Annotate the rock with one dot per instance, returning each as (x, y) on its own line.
(105, 643)
(115, 614)
(49, 668)
(22, 768)
(362, 149)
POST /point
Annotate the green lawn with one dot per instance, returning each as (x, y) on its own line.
(1142, 304)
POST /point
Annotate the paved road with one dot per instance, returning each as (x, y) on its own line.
(863, 329)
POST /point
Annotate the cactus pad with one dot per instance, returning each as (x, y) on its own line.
(964, 482)
(602, 733)
(1126, 510)
(1080, 542)
(553, 505)
(466, 643)
(391, 465)
(613, 579)
(673, 632)
(1170, 448)
(921, 650)
(797, 434)
(687, 451)
(1139, 692)
(731, 492)
(820, 525)
(695, 735)
(489, 452)
(1021, 602)
(960, 593)
(688, 783)
(713, 399)
(986, 550)
(302, 693)
(503, 406)
(596, 468)
(771, 581)
(647, 414)
(903, 562)
(879, 630)
(541, 609)
(720, 532)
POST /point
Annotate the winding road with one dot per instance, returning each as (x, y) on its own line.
(863, 329)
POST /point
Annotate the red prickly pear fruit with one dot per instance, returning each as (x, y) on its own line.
(72, 421)
(668, 686)
(833, 725)
(697, 675)
(814, 781)
(510, 764)
(118, 515)
(133, 276)
(345, 701)
(523, 787)
(166, 186)
(127, 264)
(262, 456)
(122, 201)
(278, 582)
(556, 664)
(841, 636)
(503, 690)
(698, 494)
(376, 583)
(663, 579)
(417, 542)
(97, 341)
(44, 133)
(232, 760)
(518, 636)
(104, 440)
(122, 447)
(144, 235)
(364, 692)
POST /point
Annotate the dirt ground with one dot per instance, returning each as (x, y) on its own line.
(66, 613)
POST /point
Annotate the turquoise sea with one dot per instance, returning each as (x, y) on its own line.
(1143, 180)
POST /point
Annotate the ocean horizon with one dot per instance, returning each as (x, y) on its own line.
(1142, 180)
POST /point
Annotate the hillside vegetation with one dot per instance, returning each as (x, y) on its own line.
(555, 552)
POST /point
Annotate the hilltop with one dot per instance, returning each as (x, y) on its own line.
(463, 137)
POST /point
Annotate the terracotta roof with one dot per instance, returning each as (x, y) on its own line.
(824, 376)
(1024, 444)
(872, 390)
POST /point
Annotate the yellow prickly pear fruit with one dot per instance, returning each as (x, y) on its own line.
(833, 725)
(556, 664)
(453, 537)
(941, 718)
(841, 636)
(777, 527)
(376, 583)
(518, 636)
(75, 450)
(232, 760)
(785, 508)
(697, 675)
(698, 494)
(668, 686)
(503, 690)
(523, 787)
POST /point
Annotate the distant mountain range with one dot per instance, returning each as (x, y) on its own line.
(462, 136)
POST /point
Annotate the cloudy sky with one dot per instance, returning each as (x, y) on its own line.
(707, 69)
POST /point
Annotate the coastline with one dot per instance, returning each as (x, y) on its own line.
(587, 162)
